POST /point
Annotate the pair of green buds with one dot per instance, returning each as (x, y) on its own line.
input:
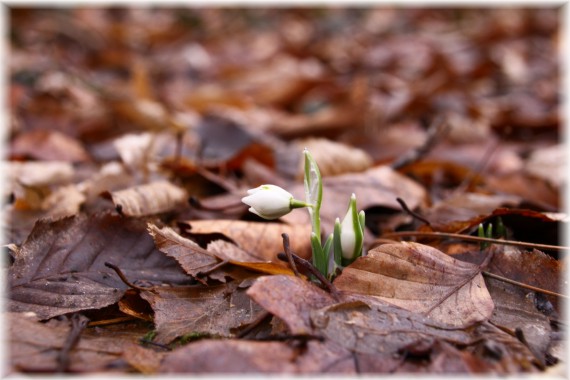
(346, 241)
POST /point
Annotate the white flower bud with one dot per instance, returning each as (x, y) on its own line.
(351, 232)
(269, 201)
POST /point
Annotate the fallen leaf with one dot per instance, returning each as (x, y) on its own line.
(515, 308)
(230, 357)
(191, 257)
(334, 158)
(48, 145)
(422, 279)
(235, 255)
(35, 347)
(291, 299)
(212, 310)
(40, 173)
(549, 164)
(261, 240)
(153, 198)
(369, 326)
(144, 360)
(60, 267)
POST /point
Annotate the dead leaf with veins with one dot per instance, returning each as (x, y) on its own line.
(421, 279)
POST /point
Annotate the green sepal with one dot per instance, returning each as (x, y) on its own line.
(337, 248)
(489, 233)
(361, 220)
(319, 261)
(501, 230)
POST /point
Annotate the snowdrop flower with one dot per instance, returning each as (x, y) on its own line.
(351, 232)
(271, 202)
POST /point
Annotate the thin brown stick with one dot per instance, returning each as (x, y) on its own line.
(474, 238)
(410, 212)
(112, 321)
(523, 285)
(123, 277)
(289, 254)
(78, 324)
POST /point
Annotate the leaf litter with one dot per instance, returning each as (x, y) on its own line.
(438, 120)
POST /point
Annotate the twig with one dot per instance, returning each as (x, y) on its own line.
(289, 254)
(523, 285)
(112, 321)
(123, 278)
(436, 131)
(413, 214)
(308, 267)
(473, 238)
(78, 324)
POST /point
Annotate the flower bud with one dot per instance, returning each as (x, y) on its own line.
(269, 201)
(351, 232)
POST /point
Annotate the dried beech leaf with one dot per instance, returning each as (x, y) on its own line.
(421, 279)
(65, 201)
(145, 360)
(212, 310)
(190, 255)
(235, 255)
(35, 346)
(262, 241)
(242, 356)
(376, 327)
(48, 145)
(40, 173)
(291, 299)
(549, 164)
(515, 308)
(334, 158)
(149, 199)
(231, 357)
(60, 267)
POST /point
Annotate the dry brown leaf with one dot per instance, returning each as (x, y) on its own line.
(191, 257)
(153, 198)
(291, 299)
(211, 310)
(261, 241)
(369, 327)
(48, 145)
(145, 360)
(235, 255)
(40, 173)
(334, 158)
(422, 279)
(35, 346)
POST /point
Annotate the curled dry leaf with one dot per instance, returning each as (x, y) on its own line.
(334, 158)
(422, 279)
(149, 199)
(261, 241)
(40, 173)
(191, 257)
